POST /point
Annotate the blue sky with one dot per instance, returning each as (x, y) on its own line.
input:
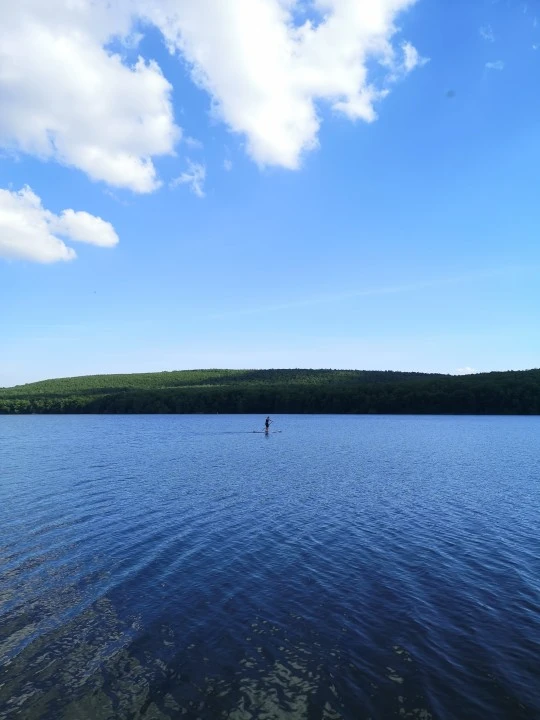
(228, 209)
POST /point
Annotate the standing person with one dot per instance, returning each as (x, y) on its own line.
(267, 424)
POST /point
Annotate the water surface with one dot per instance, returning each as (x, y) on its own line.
(347, 567)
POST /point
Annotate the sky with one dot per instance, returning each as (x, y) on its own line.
(268, 184)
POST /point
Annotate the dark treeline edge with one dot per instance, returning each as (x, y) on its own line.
(281, 391)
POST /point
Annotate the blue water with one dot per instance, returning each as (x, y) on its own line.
(348, 567)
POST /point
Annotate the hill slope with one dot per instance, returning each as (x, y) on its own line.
(280, 391)
(99, 384)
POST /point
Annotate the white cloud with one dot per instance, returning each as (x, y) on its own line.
(497, 65)
(465, 371)
(486, 32)
(64, 96)
(86, 228)
(29, 232)
(227, 164)
(412, 58)
(266, 74)
(194, 176)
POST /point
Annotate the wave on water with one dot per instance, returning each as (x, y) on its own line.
(164, 567)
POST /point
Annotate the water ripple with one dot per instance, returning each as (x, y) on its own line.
(348, 568)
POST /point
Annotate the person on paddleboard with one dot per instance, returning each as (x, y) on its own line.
(267, 424)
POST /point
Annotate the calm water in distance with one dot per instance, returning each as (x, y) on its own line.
(348, 567)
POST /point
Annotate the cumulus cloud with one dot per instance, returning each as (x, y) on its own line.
(86, 228)
(266, 73)
(496, 65)
(64, 96)
(194, 176)
(267, 67)
(30, 232)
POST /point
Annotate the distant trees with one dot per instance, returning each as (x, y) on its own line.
(281, 391)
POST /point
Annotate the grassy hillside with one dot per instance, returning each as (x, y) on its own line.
(298, 391)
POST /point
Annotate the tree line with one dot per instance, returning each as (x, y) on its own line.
(281, 391)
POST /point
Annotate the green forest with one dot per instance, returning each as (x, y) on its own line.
(281, 391)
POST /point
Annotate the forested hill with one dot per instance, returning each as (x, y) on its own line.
(281, 391)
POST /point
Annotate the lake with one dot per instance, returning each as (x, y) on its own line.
(347, 567)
